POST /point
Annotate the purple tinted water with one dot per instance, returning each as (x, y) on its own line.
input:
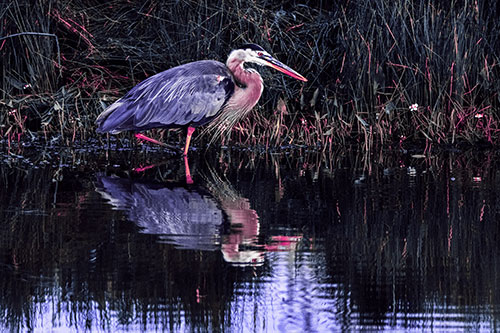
(259, 243)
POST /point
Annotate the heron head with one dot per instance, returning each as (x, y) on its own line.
(256, 54)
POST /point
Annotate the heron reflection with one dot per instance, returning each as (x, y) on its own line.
(209, 217)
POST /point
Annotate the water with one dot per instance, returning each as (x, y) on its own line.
(290, 242)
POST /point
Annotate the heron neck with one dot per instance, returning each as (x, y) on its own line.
(249, 88)
(244, 77)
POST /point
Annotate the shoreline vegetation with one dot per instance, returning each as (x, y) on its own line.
(380, 72)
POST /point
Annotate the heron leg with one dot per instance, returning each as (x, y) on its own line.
(189, 180)
(140, 136)
(188, 139)
(142, 169)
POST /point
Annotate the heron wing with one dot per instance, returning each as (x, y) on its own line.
(189, 94)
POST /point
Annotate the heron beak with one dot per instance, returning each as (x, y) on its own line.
(282, 67)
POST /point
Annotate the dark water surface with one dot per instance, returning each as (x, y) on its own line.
(286, 242)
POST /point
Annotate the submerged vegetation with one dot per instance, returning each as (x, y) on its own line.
(380, 72)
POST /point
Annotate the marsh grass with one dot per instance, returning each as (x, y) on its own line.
(367, 63)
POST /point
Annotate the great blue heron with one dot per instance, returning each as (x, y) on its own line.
(192, 95)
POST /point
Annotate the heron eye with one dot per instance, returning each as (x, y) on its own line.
(260, 54)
